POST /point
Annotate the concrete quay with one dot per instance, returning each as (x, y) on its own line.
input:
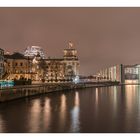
(16, 92)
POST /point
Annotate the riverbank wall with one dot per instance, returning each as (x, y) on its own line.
(16, 92)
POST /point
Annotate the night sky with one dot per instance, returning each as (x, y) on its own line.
(102, 36)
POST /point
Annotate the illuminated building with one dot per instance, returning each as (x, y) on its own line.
(63, 69)
(17, 66)
(37, 54)
(132, 73)
(71, 62)
(127, 74)
(33, 51)
(33, 65)
(55, 69)
(38, 68)
(112, 73)
(1, 63)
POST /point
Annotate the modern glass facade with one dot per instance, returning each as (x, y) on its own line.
(112, 73)
(123, 73)
(34, 50)
(132, 73)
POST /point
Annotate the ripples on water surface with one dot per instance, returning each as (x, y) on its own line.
(104, 109)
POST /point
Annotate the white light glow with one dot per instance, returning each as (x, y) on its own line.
(76, 79)
(130, 81)
(33, 51)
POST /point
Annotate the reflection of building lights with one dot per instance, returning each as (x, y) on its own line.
(76, 99)
(115, 100)
(130, 96)
(62, 112)
(35, 116)
(96, 96)
(75, 114)
(63, 103)
(47, 114)
(96, 101)
(47, 105)
(115, 93)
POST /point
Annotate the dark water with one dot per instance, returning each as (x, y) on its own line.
(106, 109)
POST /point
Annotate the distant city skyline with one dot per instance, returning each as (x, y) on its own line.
(102, 36)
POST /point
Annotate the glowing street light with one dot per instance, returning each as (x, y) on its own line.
(76, 79)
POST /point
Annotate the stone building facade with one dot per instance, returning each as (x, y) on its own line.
(1, 63)
(36, 67)
(63, 69)
(17, 66)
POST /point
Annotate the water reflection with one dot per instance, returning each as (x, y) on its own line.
(131, 97)
(47, 115)
(131, 107)
(75, 114)
(34, 116)
(114, 100)
(96, 102)
(96, 97)
(1, 124)
(63, 104)
(40, 115)
(104, 109)
(62, 113)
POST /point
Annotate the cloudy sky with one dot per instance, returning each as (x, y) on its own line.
(102, 36)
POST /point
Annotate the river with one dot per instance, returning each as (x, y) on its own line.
(91, 110)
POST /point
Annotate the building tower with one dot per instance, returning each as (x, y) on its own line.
(71, 61)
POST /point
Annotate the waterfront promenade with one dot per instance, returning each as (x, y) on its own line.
(11, 93)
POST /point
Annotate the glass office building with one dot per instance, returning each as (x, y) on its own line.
(128, 74)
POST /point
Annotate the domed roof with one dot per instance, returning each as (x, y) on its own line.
(34, 50)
